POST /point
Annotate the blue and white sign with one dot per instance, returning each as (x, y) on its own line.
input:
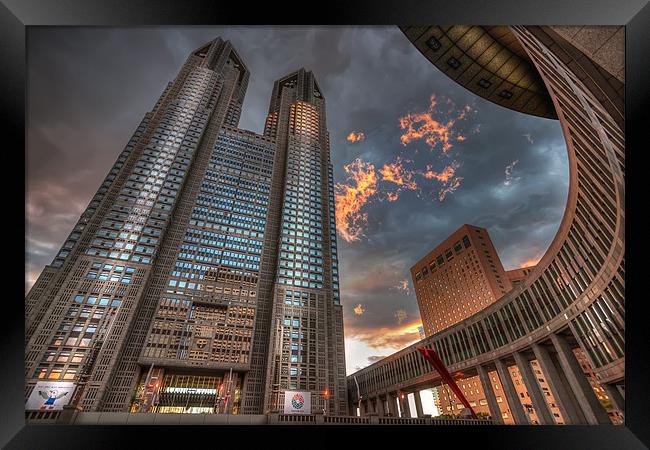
(50, 396)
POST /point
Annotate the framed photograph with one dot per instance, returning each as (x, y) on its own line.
(401, 214)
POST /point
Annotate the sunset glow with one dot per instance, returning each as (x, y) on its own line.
(388, 338)
(396, 173)
(350, 198)
(356, 136)
(423, 125)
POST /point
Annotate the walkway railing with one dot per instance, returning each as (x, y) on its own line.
(119, 418)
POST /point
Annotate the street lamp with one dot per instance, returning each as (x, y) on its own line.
(326, 394)
(358, 393)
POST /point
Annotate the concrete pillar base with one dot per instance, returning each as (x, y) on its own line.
(516, 408)
(493, 406)
(615, 397)
(536, 395)
(559, 387)
(418, 404)
(593, 411)
(68, 415)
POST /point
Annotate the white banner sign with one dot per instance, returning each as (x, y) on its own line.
(50, 396)
(297, 402)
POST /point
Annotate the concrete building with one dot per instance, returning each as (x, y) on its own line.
(459, 277)
(203, 276)
(574, 297)
(517, 276)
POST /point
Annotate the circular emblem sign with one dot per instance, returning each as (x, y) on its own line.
(297, 401)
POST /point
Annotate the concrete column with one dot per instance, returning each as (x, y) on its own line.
(532, 386)
(362, 410)
(486, 384)
(615, 397)
(380, 407)
(69, 414)
(418, 404)
(516, 409)
(404, 406)
(371, 406)
(392, 404)
(586, 397)
(559, 388)
(231, 391)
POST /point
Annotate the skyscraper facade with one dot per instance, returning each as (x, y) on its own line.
(203, 275)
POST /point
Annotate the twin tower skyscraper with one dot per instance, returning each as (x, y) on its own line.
(203, 275)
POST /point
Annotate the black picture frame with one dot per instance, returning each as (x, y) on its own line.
(17, 15)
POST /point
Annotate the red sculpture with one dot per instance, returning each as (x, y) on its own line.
(431, 356)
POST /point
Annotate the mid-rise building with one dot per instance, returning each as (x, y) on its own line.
(517, 276)
(203, 276)
(459, 277)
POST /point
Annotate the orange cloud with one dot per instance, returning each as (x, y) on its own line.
(449, 188)
(356, 136)
(403, 285)
(358, 309)
(392, 196)
(350, 221)
(434, 132)
(388, 338)
(445, 175)
(361, 186)
(398, 174)
(463, 112)
(531, 262)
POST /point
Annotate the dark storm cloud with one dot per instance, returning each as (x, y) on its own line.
(89, 88)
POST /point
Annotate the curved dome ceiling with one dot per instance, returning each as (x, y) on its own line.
(487, 60)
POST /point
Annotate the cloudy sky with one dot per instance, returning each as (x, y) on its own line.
(415, 155)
